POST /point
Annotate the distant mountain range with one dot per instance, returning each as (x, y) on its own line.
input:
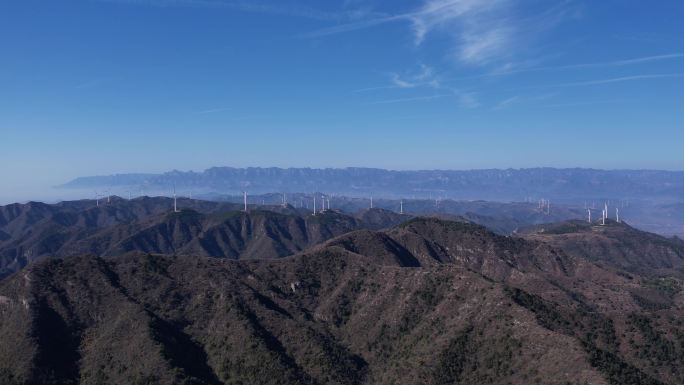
(35, 230)
(115, 226)
(570, 185)
(427, 301)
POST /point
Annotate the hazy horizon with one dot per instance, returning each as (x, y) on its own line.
(77, 188)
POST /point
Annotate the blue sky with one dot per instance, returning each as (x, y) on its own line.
(100, 87)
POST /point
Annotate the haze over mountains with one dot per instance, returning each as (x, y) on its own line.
(654, 199)
(565, 185)
(423, 290)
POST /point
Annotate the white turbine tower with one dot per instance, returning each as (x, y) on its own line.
(617, 215)
(175, 207)
(401, 206)
(244, 198)
(371, 201)
(605, 210)
(314, 207)
(589, 211)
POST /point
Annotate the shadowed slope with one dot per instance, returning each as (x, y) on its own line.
(35, 230)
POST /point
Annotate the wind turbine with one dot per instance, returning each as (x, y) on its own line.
(371, 201)
(244, 198)
(617, 215)
(401, 206)
(175, 207)
(314, 207)
(589, 211)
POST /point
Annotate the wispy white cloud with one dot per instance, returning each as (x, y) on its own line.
(437, 14)
(507, 102)
(277, 8)
(585, 103)
(479, 33)
(169, 3)
(613, 80)
(519, 99)
(467, 100)
(368, 89)
(615, 63)
(343, 15)
(424, 77)
(401, 83)
(413, 99)
(481, 46)
(354, 26)
(639, 60)
(482, 31)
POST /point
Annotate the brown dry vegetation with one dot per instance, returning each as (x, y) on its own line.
(427, 302)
